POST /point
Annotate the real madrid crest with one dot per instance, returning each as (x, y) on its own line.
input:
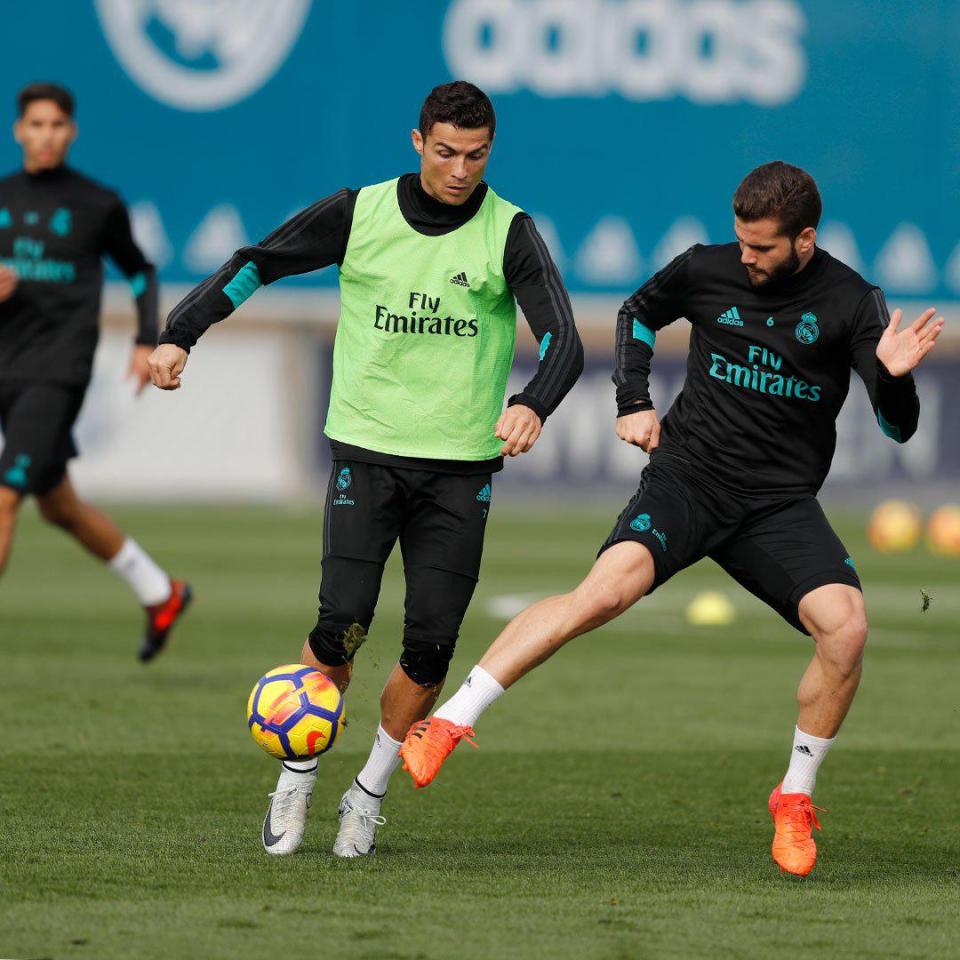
(807, 330)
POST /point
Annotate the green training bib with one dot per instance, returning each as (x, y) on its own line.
(426, 334)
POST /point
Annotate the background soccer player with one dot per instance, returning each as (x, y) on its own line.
(776, 326)
(431, 265)
(55, 227)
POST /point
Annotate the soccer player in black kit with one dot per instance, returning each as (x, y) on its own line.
(56, 225)
(735, 468)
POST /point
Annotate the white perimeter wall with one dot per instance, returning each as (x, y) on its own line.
(235, 430)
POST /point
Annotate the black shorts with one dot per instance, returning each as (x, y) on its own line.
(778, 548)
(37, 421)
(439, 520)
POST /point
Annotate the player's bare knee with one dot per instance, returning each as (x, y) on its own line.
(595, 605)
(56, 511)
(609, 603)
(843, 646)
(853, 637)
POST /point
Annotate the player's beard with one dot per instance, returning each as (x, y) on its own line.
(785, 269)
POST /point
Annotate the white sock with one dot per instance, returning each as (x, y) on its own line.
(300, 766)
(383, 760)
(479, 690)
(805, 759)
(143, 576)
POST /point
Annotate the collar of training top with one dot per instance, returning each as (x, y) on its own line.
(796, 280)
(426, 214)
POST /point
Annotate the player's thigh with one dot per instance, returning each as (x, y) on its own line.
(362, 516)
(785, 552)
(435, 603)
(364, 512)
(446, 523)
(38, 443)
(620, 576)
(349, 590)
(674, 518)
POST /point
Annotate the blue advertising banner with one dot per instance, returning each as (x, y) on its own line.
(624, 125)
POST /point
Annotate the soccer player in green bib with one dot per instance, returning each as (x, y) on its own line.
(432, 266)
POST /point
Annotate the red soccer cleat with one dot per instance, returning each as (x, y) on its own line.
(162, 617)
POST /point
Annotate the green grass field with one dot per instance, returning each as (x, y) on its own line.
(616, 808)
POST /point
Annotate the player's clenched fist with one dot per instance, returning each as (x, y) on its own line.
(166, 364)
(8, 283)
(642, 429)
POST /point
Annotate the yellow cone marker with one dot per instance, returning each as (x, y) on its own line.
(710, 609)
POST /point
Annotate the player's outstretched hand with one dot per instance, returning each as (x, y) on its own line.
(139, 369)
(8, 283)
(166, 364)
(901, 350)
(518, 427)
(642, 429)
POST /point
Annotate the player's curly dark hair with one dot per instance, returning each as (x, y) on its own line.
(61, 96)
(459, 103)
(779, 191)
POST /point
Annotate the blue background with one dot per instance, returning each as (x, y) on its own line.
(877, 122)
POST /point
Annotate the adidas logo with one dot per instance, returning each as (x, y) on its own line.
(730, 317)
(804, 749)
(460, 280)
(484, 495)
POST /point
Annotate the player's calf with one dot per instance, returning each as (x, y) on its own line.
(834, 615)
(408, 696)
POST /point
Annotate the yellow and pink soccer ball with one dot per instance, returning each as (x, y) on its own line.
(295, 712)
(943, 531)
(895, 525)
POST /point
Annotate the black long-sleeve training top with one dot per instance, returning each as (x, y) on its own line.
(55, 228)
(768, 368)
(317, 237)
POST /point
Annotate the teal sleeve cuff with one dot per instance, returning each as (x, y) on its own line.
(644, 334)
(244, 284)
(889, 429)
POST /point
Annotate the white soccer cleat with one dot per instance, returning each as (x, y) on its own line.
(286, 817)
(359, 819)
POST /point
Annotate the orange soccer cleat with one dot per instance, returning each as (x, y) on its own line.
(794, 817)
(428, 743)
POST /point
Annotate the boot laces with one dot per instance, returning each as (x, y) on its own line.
(438, 739)
(801, 816)
(284, 799)
(356, 818)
